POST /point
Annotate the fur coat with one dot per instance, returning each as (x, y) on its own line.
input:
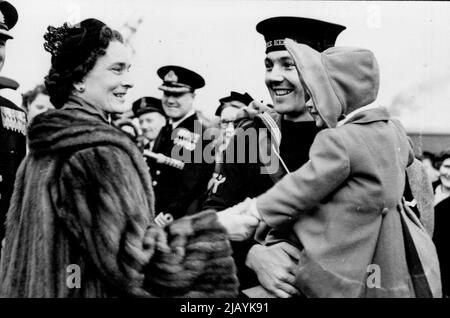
(83, 197)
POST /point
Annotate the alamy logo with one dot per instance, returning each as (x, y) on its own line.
(244, 147)
(73, 279)
(374, 278)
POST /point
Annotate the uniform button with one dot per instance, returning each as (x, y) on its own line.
(1, 178)
(158, 172)
(154, 183)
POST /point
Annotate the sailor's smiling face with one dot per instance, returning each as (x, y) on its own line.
(284, 84)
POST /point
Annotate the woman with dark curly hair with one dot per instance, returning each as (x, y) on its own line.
(81, 221)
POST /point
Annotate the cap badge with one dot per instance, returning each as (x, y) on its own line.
(171, 77)
(2, 18)
(143, 103)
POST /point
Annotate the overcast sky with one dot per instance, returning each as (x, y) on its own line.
(218, 40)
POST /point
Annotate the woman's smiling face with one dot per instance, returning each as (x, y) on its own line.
(107, 84)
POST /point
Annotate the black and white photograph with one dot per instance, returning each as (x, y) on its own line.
(228, 149)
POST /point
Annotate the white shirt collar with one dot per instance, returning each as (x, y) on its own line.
(356, 111)
(176, 123)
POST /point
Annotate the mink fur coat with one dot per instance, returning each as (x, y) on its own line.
(83, 197)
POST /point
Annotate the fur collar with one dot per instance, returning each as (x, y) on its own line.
(77, 125)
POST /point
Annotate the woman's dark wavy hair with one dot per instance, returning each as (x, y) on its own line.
(74, 51)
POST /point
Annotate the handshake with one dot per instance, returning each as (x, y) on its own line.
(240, 220)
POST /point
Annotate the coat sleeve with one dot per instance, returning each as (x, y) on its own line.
(401, 134)
(104, 205)
(196, 263)
(303, 189)
(108, 211)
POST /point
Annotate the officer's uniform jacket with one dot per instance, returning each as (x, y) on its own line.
(12, 151)
(180, 191)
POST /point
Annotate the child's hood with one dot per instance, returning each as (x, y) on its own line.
(339, 80)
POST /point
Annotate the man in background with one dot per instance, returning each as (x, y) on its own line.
(152, 119)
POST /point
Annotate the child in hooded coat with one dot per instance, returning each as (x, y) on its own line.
(342, 203)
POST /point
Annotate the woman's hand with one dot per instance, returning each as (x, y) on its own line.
(238, 221)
